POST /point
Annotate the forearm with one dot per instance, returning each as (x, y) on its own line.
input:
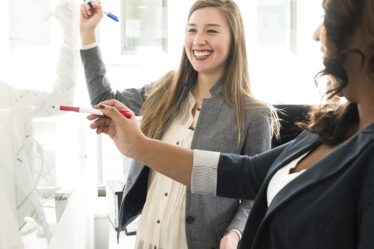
(88, 37)
(170, 160)
(98, 85)
(239, 220)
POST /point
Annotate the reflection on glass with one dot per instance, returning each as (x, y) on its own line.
(144, 25)
(273, 23)
(40, 71)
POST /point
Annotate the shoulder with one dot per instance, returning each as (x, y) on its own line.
(256, 109)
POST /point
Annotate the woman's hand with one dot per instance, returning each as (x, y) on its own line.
(125, 132)
(89, 19)
(230, 240)
(131, 142)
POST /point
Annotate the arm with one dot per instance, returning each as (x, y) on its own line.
(257, 140)
(247, 172)
(98, 85)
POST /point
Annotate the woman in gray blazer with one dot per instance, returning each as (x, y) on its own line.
(205, 104)
(314, 192)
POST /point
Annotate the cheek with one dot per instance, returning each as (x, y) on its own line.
(187, 45)
(225, 48)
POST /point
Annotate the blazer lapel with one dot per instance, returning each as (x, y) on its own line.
(327, 166)
(305, 142)
(214, 105)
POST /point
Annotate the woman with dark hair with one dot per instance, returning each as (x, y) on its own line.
(317, 191)
(207, 104)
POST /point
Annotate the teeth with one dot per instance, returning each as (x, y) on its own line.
(201, 54)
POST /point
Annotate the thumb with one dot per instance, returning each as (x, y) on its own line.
(112, 112)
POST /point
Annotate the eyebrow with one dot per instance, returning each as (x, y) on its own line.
(208, 25)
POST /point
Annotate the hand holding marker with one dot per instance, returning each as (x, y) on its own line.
(108, 14)
(97, 112)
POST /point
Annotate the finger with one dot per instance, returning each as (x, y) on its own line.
(100, 123)
(112, 112)
(124, 110)
(92, 117)
(87, 9)
(104, 130)
(96, 4)
(114, 103)
(118, 105)
(84, 10)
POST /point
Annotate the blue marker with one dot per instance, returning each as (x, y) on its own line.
(112, 16)
(108, 14)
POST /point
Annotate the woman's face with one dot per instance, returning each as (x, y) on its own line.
(207, 41)
(320, 36)
(352, 64)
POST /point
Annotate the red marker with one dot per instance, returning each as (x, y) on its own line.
(125, 113)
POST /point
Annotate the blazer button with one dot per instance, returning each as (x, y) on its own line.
(190, 220)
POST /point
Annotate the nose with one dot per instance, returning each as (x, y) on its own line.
(317, 32)
(199, 39)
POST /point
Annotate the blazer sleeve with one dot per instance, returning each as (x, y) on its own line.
(98, 85)
(240, 176)
(256, 141)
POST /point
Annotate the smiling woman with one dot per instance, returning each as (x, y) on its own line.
(207, 42)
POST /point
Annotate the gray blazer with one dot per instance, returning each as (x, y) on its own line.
(207, 217)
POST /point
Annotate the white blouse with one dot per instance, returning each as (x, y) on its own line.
(162, 223)
(281, 178)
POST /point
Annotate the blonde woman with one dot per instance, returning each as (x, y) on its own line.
(205, 104)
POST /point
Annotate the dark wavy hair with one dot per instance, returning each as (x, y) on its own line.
(333, 121)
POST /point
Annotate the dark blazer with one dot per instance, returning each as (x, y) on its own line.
(329, 206)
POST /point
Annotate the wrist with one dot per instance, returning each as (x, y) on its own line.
(234, 233)
(140, 146)
(88, 38)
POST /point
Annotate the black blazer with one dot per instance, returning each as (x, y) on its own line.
(329, 206)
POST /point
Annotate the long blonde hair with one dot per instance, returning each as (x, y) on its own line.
(168, 96)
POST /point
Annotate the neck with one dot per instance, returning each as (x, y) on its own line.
(201, 90)
(366, 113)
(207, 81)
(366, 105)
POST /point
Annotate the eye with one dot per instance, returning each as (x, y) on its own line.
(191, 30)
(212, 31)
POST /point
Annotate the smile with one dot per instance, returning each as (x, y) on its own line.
(202, 54)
